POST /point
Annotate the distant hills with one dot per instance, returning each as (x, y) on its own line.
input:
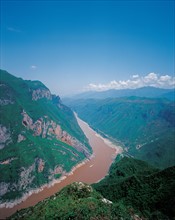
(40, 139)
(144, 126)
(149, 92)
(132, 190)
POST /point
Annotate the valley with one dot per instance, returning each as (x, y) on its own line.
(90, 171)
(87, 110)
(123, 147)
(144, 126)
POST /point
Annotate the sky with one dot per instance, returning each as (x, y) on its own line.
(76, 46)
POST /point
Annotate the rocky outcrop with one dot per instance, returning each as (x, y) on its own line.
(40, 165)
(4, 188)
(5, 137)
(106, 201)
(50, 129)
(26, 177)
(6, 102)
(41, 93)
(45, 126)
(20, 138)
(27, 121)
(33, 126)
(8, 161)
(37, 127)
(81, 187)
(57, 170)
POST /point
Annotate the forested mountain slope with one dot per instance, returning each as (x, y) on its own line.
(133, 190)
(150, 192)
(40, 139)
(145, 126)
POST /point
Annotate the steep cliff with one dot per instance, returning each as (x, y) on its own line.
(40, 139)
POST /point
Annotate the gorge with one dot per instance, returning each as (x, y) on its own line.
(90, 171)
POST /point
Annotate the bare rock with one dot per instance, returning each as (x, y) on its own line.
(20, 138)
(8, 161)
(58, 170)
(45, 126)
(4, 188)
(27, 121)
(41, 93)
(58, 131)
(40, 164)
(79, 186)
(37, 127)
(6, 102)
(5, 137)
(106, 201)
(51, 129)
(26, 177)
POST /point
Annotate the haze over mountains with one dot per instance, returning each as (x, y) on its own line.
(145, 126)
(41, 141)
(118, 135)
(149, 92)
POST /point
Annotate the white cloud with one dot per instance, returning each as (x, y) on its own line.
(33, 67)
(13, 29)
(136, 81)
(135, 76)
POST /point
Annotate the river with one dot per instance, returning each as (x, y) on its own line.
(91, 171)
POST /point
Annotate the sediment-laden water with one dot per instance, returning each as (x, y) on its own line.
(90, 171)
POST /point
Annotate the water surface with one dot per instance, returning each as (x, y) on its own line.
(90, 172)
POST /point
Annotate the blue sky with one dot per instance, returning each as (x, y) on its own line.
(75, 45)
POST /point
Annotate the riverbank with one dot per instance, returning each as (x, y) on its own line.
(89, 171)
(35, 191)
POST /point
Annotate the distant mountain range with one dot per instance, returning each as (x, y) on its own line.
(40, 139)
(144, 126)
(149, 92)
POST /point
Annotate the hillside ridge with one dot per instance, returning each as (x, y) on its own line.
(144, 126)
(40, 139)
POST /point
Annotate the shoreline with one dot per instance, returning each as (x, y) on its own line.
(106, 140)
(90, 170)
(110, 143)
(45, 186)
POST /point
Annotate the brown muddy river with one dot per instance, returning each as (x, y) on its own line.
(90, 172)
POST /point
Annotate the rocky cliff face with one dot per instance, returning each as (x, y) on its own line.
(40, 139)
(41, 93)
(5, 137)
(49, 129)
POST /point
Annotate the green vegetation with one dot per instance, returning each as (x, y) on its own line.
(21, 91)
(132, 190)
(148, 191)
(30, 158)
(76, 201)
(31, 162)
(145, 126)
